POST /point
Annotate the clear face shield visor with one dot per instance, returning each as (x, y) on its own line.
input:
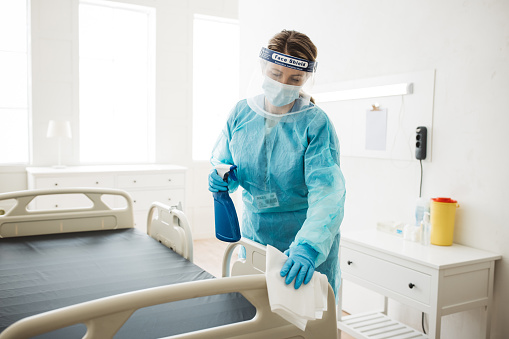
(283, 86)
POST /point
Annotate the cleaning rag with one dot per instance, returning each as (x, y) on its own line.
(297, 306)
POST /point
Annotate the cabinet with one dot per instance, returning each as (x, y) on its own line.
(437, 280)
(144, 183)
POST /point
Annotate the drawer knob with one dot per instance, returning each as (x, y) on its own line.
(97, 182)
(349, 262)
(134, 181)
(56, 184)
(169, 199)
(411, 285)
(169, 179)
(134, 201)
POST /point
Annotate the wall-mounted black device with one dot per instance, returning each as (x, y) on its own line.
(420, 142)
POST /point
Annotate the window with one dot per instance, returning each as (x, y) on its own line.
(216, 68)
(14, 123)
(117, 82)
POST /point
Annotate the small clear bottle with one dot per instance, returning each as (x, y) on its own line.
(421, 207)
(425, 229)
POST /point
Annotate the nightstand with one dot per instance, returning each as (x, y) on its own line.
(437, 280)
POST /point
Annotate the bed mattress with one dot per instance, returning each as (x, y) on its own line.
(42, 273)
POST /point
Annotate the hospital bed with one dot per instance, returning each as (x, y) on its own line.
(88, 273)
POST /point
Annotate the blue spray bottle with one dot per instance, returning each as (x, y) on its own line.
(227, 223)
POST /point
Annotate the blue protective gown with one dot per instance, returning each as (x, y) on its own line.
(294, 190)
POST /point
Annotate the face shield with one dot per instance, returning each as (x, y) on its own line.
(282, 85)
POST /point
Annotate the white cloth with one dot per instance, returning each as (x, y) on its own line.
(296, 306)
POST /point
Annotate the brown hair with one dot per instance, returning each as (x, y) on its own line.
(295, 44)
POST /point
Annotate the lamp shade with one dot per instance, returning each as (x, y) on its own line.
(60, 129)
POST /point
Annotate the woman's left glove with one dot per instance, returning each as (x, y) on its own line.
(300, 265)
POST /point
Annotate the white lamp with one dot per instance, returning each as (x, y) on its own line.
(59, 129)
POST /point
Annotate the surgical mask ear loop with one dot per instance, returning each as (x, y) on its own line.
(306, 87)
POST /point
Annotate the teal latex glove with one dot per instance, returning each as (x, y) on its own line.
(300, 265)
(216, 183)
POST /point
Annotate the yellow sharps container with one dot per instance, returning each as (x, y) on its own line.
(442, 213)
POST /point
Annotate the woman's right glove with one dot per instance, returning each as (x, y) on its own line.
(216, 183)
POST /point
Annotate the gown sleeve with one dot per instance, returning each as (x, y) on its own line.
(326, 189)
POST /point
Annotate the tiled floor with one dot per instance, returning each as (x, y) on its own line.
(208, 254)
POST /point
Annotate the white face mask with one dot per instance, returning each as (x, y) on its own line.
(279, 94)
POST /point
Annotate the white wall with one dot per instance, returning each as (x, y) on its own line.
(467, 43)
(55, 80)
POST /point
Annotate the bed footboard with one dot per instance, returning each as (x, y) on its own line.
(103, 317)
(21, 221)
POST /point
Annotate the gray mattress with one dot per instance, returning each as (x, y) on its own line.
(42, 273)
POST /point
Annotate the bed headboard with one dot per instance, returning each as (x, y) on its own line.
(169, 226)
(20, 220)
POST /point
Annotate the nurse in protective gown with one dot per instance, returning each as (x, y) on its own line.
(287, 155)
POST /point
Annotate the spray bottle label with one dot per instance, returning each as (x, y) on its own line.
(266, 201)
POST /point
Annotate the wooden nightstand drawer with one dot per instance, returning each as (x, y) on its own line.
(143, 199)
(151, 180)
(55, 202)
(391, 276)
(75, 181)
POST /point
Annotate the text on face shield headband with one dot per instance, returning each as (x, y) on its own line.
(287, 60)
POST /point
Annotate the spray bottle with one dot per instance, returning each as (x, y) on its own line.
(227, 223)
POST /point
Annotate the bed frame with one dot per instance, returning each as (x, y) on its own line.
(104, 317)
(20, 220)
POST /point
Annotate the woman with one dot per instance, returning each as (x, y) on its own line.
(287, 156)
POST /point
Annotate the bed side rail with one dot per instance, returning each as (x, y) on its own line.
(169, 226)
(21, 221)
(254, 263)
(103, 317)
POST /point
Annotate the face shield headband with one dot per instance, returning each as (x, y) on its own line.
(288, 61)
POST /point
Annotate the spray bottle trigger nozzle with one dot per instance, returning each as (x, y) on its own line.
(232, 173)
(225, 170)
